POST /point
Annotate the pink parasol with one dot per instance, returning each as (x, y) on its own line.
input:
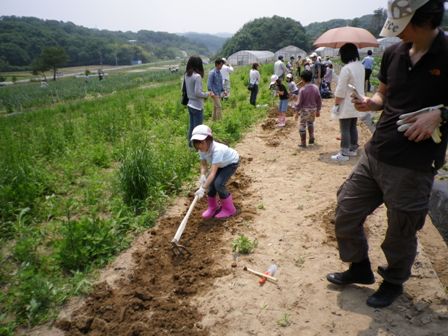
(337, 37)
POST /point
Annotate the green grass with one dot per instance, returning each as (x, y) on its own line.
(23, 97)
(78, 174)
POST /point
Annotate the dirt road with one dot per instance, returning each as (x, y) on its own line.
(286, 199)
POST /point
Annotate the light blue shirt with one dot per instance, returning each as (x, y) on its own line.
(368, 62)
(220, 155)
(214, 82)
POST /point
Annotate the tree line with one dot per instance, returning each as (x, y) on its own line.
(277, 32)
(23, 40)
(26, 42)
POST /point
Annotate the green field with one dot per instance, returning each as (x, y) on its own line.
(14, 76)
(85, 167)
(26, 96)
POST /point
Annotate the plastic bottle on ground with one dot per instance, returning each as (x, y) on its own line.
(271, 271)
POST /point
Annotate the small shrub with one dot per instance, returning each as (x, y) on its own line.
(6, 328)
(32, 294)
(243, 245)
(99, 156)
(21, 183)
(86, 242)
(139, 173)
(25, 249)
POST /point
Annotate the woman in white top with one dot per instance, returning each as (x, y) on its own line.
(344, 110)
(254, 80)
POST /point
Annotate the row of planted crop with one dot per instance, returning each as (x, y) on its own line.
(22, 97)
(78, 180)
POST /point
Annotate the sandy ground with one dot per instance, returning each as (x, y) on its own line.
(286, 199)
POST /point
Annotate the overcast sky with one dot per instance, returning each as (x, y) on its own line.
(179, 16)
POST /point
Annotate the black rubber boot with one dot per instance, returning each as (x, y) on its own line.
(360, 273)
(311, 134)
(302, 138)
(385, 295)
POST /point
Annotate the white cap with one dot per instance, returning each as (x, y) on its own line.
(201, 132)
(289, 75)
(313, 55)
(273, 79)
(224, 59)
(399, 14)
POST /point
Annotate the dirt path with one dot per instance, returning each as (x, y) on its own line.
(286, 199)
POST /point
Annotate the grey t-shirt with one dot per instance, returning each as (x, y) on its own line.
(195, 94)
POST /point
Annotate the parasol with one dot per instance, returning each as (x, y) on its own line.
(337, 37)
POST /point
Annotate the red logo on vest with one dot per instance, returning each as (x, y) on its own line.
(435, 72)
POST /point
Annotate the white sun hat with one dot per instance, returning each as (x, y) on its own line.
(201, 132)
(399, 14)
(273, 79)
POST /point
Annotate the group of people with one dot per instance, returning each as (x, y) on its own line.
(396, 168)
(218, 88)
(307, 101)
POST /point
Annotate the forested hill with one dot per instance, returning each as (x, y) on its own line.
(267, 34)
(277, 32)
(372, 22)
(213, 42)
(22, 40)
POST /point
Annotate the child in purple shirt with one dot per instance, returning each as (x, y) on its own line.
(308, 108)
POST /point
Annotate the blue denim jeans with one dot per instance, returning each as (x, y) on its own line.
(349, 135)
(219, 183)
(196, 118)
(253, 95)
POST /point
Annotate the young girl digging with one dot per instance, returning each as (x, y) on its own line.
(223, 163)
(308, 107)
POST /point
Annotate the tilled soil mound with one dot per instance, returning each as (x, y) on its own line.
(154, 298)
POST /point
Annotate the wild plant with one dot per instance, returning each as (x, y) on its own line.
(85, 242)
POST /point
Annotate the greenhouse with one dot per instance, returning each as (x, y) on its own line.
(387, 42)
(289, 51)
(245, 57)
(327, 52)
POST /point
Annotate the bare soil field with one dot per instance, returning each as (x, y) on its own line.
(286, 199)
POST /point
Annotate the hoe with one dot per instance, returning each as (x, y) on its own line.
(178, 250)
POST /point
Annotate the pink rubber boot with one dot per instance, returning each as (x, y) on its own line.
(227, 208)
(211, 209)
